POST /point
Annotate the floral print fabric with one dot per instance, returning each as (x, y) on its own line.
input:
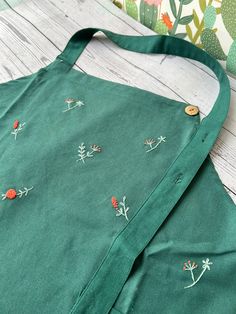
(209, 24)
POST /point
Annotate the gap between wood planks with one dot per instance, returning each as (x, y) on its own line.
(26, 19)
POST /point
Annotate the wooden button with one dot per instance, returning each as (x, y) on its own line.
(191, 110)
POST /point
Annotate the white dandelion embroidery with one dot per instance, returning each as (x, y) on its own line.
(72, 104)
(121, 210)
(153, 144)
(12, 193)
(83, 153)
(190, 266)
(17, 128)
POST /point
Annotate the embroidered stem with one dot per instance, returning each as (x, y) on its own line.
(72, 104)
(83, 154)
(123, 210)
(191, 266)
(192, 275)
(12, 193)
(25, 192)
(18, 129)
(150, 143)
(194, 282)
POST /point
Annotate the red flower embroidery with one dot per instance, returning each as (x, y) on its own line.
(11, 194)
(16, 124)
(114, 202)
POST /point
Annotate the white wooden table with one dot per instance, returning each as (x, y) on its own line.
(33, 32)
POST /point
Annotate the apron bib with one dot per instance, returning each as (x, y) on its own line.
(109, 200)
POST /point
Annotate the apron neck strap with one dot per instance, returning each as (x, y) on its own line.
(158, 44)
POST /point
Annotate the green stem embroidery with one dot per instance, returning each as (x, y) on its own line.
(189, 266)
(150, 142)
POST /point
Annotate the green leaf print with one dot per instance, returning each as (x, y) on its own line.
(231, 59)
(203, 5)
(186, 20)
(148, 14)
(185, 2)
(228, 9)
(209, 16)
(212, 45)
(173, 8)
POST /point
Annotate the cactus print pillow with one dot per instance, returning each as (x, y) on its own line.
(209, 24)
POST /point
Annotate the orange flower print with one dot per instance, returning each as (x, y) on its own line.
(166, 20)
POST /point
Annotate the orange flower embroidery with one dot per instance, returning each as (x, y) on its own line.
(123, 209)
(166, 20)
(17, 127)
(114, 202)
(11, 194)
(16, 124)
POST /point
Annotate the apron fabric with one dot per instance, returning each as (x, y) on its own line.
(109, 200)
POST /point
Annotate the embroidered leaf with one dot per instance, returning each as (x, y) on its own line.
(83, 153)
(120, 211)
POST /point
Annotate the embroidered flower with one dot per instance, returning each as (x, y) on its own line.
(166, 20)
(150, 142)
(72, 104)
(206, 264)
(190, 266)
(17, 127)
(12, 193)
(114, 202)
(123, 209)
(96, 148)
(16, 124)
(83, 153)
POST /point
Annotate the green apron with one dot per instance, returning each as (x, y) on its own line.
(109, 200)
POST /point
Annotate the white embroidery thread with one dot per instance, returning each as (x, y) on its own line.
(20, 193)
(153, 144)
(120, 211)
(72, 104)
(18, 129)
(191, 266)
(83, 153)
